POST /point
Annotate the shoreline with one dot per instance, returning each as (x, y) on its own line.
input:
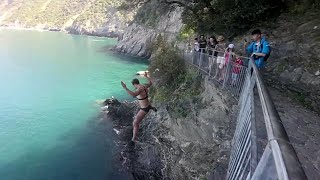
(24, 29)
(51, 30)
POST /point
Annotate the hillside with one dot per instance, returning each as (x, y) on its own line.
(97, 17)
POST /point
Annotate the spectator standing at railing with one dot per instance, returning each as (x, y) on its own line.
(211, 45)
(259, 49)
(220, 48)
(202, 43)
(196, 47)
(229, 54)
(236, 69)
(196, 51)
(225, 69)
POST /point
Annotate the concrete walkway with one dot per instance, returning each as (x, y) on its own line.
(303, 129)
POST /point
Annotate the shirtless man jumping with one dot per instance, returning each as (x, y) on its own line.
(142, 94)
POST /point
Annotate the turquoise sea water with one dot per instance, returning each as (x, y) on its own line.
(49, 85)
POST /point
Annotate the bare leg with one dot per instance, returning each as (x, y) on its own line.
(139, 117)
(222, 73)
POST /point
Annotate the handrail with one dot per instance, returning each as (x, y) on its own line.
(287, 162)
(279, 159)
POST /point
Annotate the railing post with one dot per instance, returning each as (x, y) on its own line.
(201, 58)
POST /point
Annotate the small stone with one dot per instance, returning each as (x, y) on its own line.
(315, 27)
(317, 73)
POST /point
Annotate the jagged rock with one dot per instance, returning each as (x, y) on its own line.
(138, 38)
(141, 160)
(116, 110)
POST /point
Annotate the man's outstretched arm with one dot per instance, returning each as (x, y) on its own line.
(135, 93)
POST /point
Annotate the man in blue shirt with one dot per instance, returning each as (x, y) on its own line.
(259, 49)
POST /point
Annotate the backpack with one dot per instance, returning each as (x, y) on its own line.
(267, 55)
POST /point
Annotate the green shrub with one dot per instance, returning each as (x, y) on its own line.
(167, 66)
(176, 85)
(230, 17)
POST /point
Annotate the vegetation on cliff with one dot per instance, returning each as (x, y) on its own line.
(233, 17)
(176, 85)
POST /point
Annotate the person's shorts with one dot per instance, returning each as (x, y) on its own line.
(147, 109)
(221, 60)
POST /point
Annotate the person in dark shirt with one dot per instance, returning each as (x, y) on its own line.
(211, 46)
(202, 43)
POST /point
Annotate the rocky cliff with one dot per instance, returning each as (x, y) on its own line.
(176, 148)
(138, 38)
(90, 17)
(294, 66)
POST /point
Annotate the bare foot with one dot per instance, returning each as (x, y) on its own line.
(134, 140)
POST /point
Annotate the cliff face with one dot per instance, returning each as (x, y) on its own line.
(176, 148)
(90, 17)
(194, 146)
(138, 38)
(294, 66)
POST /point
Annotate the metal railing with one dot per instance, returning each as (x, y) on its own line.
(279, 159)
(229, 74)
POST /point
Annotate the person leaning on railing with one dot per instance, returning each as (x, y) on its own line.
(236, 69)
(202, 43)
(259, 49)
(196, 46)
(210, 49)
(220, 48)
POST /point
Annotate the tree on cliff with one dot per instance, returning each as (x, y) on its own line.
(232, 17)
(229, 17)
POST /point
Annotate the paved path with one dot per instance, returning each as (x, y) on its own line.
(303, 128)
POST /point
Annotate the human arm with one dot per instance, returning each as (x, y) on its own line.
(259, 62)
(264, 51)
(149, 80)
(258, 54)
(249, 49)
(132, 93)
(265, 48)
